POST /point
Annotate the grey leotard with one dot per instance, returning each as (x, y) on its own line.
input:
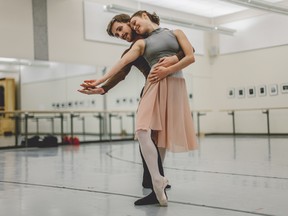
(161, 43)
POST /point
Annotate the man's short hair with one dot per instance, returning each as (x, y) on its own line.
(122, 18)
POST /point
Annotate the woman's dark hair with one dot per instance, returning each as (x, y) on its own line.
(153, 17)
(122, 18)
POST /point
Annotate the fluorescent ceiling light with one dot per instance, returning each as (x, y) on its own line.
(14, 61)
(23, 62)
(180, 22)
(260, 5)
(8, 60)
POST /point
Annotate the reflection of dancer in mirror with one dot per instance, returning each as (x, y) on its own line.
(164, 105)
(119, 27)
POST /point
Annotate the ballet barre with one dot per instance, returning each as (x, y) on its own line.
(265, 111)
(200, 113)
(25, 116)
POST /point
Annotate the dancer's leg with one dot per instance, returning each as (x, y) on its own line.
(154, 137)
(151, 157)
(162, 152)
(147, 181)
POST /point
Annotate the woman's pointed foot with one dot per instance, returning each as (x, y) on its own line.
(159, 189)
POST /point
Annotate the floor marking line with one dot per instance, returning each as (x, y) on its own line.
(203, 171)
(133, 196)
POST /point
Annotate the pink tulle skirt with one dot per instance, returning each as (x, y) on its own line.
(164, 108)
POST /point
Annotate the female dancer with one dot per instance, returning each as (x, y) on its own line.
(164, 105)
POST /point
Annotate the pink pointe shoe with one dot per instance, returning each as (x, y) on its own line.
(160, 192)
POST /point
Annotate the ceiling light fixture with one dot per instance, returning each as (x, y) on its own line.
(8, 60)
(180, 22)
(260, 5)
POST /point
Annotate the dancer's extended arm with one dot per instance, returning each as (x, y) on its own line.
(130, 56)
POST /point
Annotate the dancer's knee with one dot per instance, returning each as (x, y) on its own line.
(142, 134)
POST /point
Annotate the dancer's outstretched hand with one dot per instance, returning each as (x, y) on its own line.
(90, 87)
(92, 90)
(90, 83)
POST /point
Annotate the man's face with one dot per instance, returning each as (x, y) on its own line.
(122, 31)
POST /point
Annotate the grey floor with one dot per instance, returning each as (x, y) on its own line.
(227, 176)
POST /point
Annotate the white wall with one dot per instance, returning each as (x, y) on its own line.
(16, 31)
(66, 36)
(258, 32)
(252, 68)
(46, 84)
(253, 57)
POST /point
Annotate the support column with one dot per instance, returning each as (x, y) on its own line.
(40, 29)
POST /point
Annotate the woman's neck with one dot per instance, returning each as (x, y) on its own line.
(153, 27)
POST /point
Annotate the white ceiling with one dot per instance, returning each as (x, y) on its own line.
(205, 8)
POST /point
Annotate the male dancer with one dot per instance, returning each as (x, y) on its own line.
(119, 27)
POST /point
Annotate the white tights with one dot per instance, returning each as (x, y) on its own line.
(150, 154)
